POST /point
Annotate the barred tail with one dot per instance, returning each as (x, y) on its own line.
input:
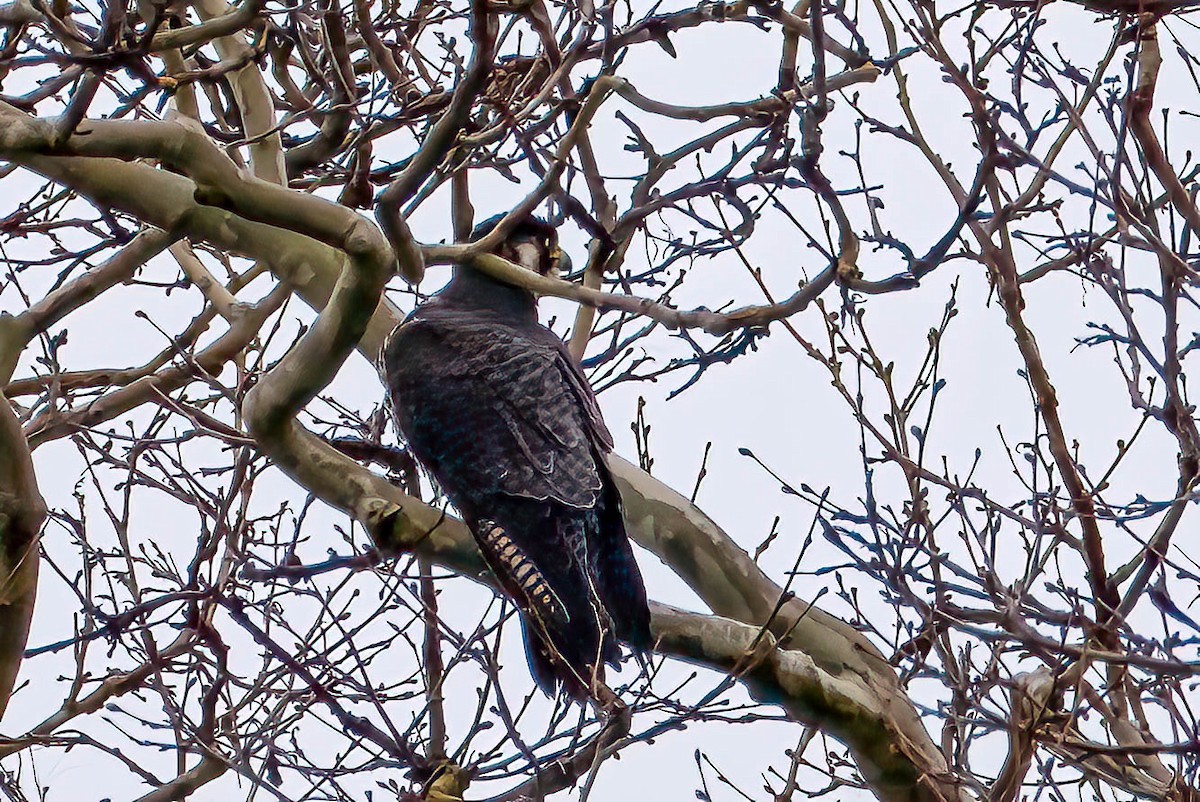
(561, 616)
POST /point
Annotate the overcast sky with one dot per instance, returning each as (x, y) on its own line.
(775, 402)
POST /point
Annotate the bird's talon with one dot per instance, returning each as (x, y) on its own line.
(756, 655)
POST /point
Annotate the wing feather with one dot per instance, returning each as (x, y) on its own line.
(510, 428)
(531, 423)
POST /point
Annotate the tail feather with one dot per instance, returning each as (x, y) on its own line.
(572, 574)
(618, 579)
(552, 672)
(559, 623)
(545, 675)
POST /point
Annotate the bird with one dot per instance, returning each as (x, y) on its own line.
(499, 413)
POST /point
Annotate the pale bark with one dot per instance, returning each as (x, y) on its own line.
(22, 512)
(824, 673)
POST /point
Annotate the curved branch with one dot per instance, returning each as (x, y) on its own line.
(437, 144)
(22, 512)
(52, 424)
(769, 105)
(255, 107)
(167, 201)
(226, 24)
(718, 323)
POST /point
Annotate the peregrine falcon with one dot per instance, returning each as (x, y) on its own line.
(492, 404)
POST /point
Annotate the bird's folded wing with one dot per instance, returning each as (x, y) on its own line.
(528, 421)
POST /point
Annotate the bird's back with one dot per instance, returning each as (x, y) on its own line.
(505, 422)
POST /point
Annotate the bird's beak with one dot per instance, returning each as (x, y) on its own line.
(560, 262)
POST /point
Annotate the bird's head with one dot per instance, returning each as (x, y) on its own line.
(532, 244)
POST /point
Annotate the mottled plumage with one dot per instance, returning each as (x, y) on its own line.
(493, 405)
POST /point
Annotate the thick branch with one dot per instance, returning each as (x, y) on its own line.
(22, 512)
(167, 200)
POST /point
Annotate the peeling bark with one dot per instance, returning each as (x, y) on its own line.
(22, 512)
(824, 673)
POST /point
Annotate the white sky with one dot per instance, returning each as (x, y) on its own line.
(776, 401)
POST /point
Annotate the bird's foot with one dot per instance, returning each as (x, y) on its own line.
(759, 652)
(617, 715)
(606, 701)
(447, 784)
